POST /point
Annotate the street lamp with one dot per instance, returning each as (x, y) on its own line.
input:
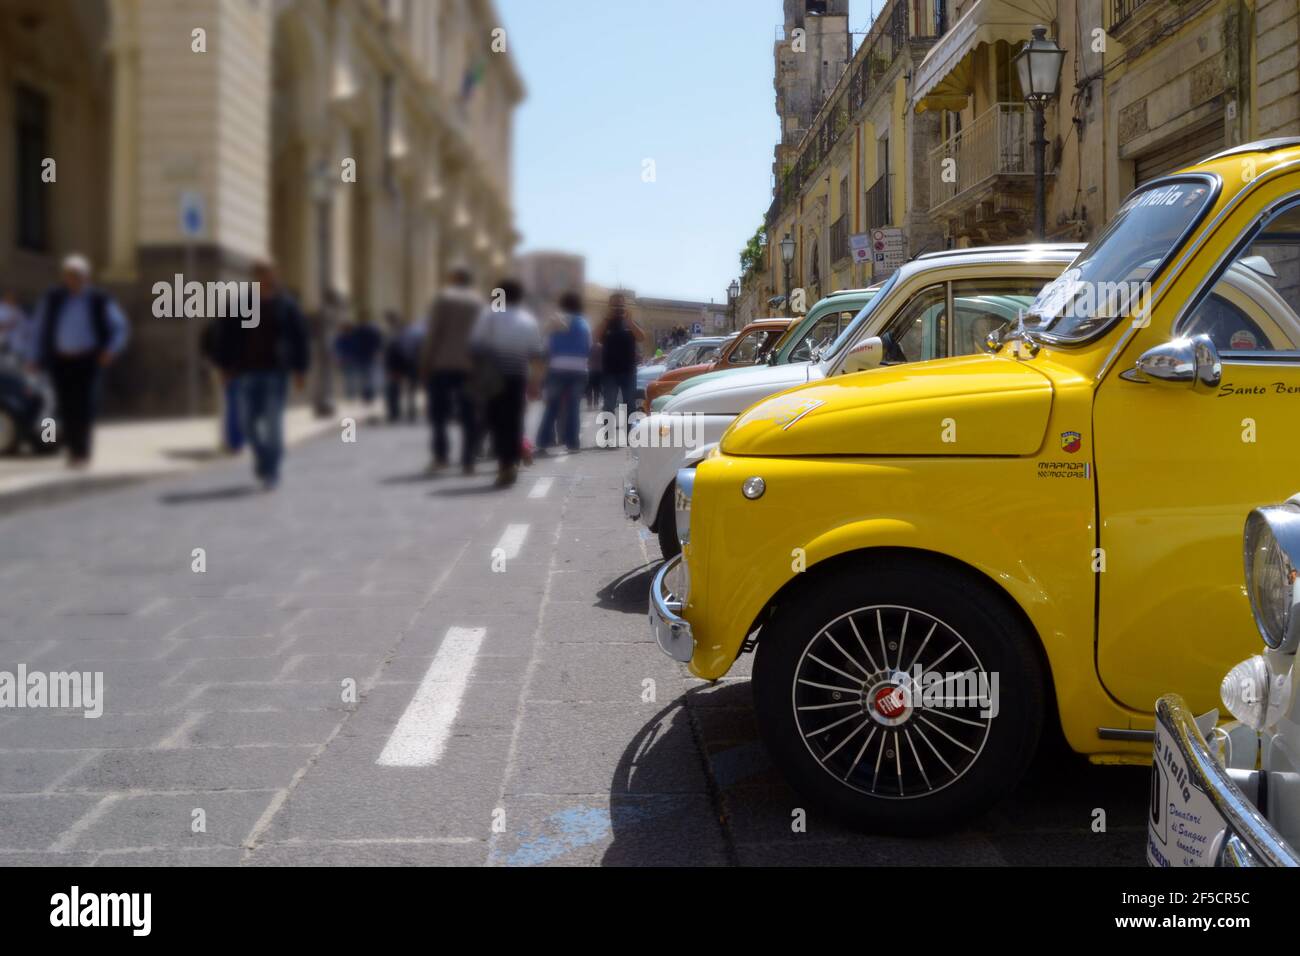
(787, 255)
(1039, 66)
(733, 293)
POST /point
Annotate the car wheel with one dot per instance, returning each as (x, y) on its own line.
(901, 697)
(666, 524)
(8, 432)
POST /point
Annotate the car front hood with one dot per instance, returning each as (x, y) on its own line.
(973, 405)
(731, 394)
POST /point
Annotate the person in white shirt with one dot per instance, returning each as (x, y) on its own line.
(508, 341)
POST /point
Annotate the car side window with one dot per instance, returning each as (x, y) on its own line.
(747, 349)
(981, 306)
(920, 330)
(1255, 303)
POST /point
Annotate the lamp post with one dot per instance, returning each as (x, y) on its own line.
(787, 255)
(733, 293)
(1039, 66)
(322, 194)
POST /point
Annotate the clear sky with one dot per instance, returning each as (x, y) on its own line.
(612, 83)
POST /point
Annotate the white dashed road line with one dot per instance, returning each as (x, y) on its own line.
(513, 540)
(542, 488)
(421, 735)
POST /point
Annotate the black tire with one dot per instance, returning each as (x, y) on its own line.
(927, 784)
(666, 524)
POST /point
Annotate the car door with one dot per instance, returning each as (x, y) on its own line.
(1179, 466)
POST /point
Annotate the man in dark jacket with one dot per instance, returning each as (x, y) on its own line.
(260, 358)
(76, 333)
(445, 367)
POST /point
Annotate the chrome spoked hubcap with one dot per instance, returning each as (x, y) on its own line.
(893, 702)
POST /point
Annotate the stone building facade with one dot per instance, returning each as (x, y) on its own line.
(927, 129)
(364, 145)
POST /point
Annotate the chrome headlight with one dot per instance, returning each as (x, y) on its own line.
(1255, 694)
(1272, 549)
(683, 488)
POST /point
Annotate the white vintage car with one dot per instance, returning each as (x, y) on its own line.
(905, 321)
(1229, 795)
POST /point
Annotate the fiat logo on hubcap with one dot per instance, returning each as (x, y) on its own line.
(890, 702)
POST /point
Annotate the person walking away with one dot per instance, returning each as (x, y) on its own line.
(13, 325)
(261, 359)
(619, 336)
(509, 343)
(230, 437)
(76, 333)
(367, 344)
(594, 361)
(445, 367)
(397, 369)
(568, 349)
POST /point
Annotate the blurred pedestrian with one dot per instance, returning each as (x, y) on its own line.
(619, 336)
(401, 361)
(594, 361)
(13, 325)
(568, 349)
(260, 359)
(76, 333)
(230, 433)
(445, 367)
(508, 347)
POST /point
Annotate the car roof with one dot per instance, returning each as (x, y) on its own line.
(973, 251)
(1258, 146)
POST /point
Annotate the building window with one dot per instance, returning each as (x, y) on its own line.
(31, 140)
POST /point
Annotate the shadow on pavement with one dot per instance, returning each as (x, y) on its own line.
(629, 592)
(208, 494)
(742, 811)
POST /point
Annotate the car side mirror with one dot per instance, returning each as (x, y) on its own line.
(867, 354)
(1191, 361)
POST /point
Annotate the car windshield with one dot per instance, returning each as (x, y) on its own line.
(810, 338)
(678, 356)
(1112, 277)
(860, 320)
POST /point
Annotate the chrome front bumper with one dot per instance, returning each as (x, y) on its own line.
(1202, 814)
(671, 631)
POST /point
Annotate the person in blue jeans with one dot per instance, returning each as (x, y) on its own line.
(260, 359)
(568, 349)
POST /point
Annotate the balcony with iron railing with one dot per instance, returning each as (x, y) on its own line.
(878, 212)
(994, 150)
(900, 24)
(1121, 10)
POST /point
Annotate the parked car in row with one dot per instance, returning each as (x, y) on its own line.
(928, 557)
(1236, 801)
(750, 347)
(804, 341)
(701, 349)
(981, 289)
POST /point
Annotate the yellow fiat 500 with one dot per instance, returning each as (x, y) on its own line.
(930, 559)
